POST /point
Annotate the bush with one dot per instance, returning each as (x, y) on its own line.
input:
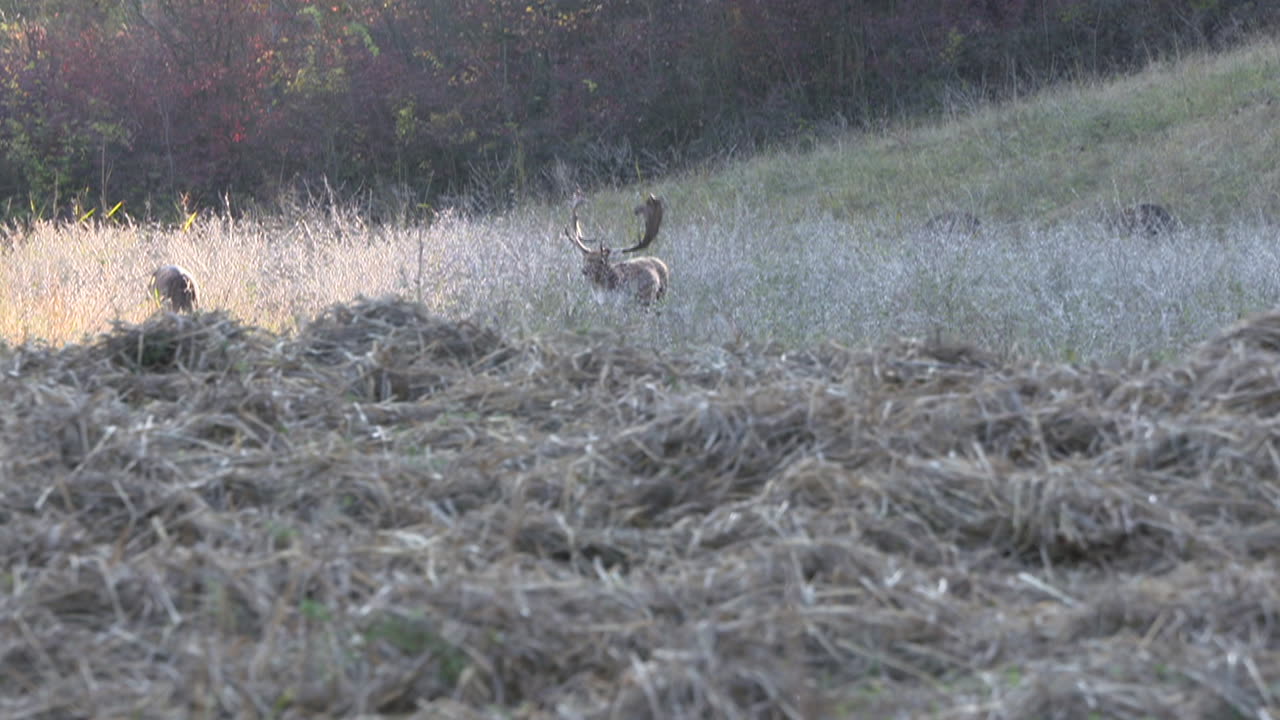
(208, 97)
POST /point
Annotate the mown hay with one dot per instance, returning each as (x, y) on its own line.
(394, 514)
(397, 351)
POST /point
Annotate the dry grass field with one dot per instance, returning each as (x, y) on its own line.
(1079, 291)
(390, 514)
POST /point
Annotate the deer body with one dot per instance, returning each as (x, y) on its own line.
(1146, 219)
(175, 287)
(644, 279)
(954, 223)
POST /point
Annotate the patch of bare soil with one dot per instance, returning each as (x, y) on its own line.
(390, 514)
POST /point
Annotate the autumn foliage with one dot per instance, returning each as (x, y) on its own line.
(150, 99)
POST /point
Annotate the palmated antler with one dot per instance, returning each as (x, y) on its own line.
(652, 211)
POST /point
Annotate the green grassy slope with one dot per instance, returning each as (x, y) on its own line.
(836, 233)
(1199, 135)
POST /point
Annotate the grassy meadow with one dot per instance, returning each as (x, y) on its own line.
(824, 240)
(852, 468)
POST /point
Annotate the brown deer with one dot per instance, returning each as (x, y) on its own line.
(173, 286)
(644, 278)
(1146, 219)
(954, 222)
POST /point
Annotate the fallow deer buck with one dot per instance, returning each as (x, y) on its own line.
(174, 287)
(1147, 219)
(953, 222)
(644, 278)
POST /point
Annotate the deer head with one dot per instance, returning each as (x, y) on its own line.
(173, 286)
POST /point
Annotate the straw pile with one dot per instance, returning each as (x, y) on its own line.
(393, 514)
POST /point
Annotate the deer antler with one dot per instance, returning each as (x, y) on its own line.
(652, 211)
(574, 231)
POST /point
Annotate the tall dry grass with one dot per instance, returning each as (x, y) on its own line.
(795, 245)
(1071, 292)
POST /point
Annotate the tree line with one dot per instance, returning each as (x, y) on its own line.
(142, 101)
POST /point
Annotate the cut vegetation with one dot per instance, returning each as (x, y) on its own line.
(390, 513)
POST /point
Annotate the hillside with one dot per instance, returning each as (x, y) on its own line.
(797, 246)
(1199, 136)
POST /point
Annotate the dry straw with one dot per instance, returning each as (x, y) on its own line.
(393, 513)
